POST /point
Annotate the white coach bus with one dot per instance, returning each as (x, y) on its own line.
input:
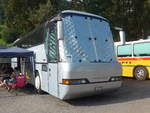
(74, 55)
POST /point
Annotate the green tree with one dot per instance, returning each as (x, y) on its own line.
(44, 12)
(77, 5)
(134, 18)
(17, 13)
(21, 16)
(1, 12)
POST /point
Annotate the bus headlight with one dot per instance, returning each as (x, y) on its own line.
(74, 81)
(115, 78)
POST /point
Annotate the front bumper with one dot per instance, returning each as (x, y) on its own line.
(82, 90)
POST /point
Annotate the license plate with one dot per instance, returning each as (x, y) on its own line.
(98, 89)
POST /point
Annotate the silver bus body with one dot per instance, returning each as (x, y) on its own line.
(77, 57)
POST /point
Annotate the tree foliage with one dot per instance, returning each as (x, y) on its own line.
(40, 15)
(1, 12)
(21, 16)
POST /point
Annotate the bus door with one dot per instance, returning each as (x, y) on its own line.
(52, 56)
(52, 79)
(45, 81)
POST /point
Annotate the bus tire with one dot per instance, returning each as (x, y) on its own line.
(38, 83)
(140, 73)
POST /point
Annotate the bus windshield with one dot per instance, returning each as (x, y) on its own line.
(87, 39)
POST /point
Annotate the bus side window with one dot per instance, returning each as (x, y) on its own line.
(51, 42)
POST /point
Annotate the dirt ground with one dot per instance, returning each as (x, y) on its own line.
(132, 97)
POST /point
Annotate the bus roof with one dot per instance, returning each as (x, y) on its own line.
(133, 42)
(73, 12)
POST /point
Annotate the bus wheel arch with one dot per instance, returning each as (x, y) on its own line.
(37, 81)
(140, 72)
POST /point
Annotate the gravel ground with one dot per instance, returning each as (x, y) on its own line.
(132, 97)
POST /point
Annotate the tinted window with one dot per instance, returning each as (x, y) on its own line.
(142, 49)
(87, 39)
(124, 50)
(51, 42)
(33, 38)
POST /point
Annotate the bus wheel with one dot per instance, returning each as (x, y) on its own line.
(140, 73)
(38, 83)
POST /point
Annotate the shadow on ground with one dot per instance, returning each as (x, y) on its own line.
(28, 89)
(131, 90)
(22, 91)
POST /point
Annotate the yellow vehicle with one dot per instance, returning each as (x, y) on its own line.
(135, 58)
